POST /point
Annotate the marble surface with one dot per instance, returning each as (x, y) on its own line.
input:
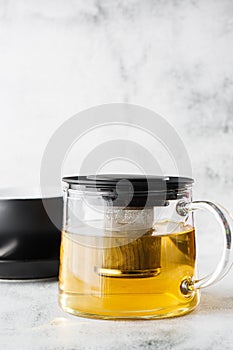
(30, 318)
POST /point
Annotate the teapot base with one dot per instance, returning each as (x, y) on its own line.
(153, 313)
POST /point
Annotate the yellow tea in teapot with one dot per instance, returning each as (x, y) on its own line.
(114, 277)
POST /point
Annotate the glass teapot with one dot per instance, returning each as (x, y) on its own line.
(128, 247)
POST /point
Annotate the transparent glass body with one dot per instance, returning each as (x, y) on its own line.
(128, 262)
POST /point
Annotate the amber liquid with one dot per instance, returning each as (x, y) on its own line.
(111, 278)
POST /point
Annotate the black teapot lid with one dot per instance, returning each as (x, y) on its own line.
(150, 190)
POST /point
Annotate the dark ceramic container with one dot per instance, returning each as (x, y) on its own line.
(29, 241)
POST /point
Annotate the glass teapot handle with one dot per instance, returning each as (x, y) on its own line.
(226, 221)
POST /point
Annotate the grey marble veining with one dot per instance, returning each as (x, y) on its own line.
(174, 57)
(30, 318)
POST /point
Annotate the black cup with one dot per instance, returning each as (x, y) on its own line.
(29, 241)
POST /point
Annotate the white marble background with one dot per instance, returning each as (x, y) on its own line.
(175, 57)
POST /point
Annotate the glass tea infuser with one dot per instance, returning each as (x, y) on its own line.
(128, 247)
